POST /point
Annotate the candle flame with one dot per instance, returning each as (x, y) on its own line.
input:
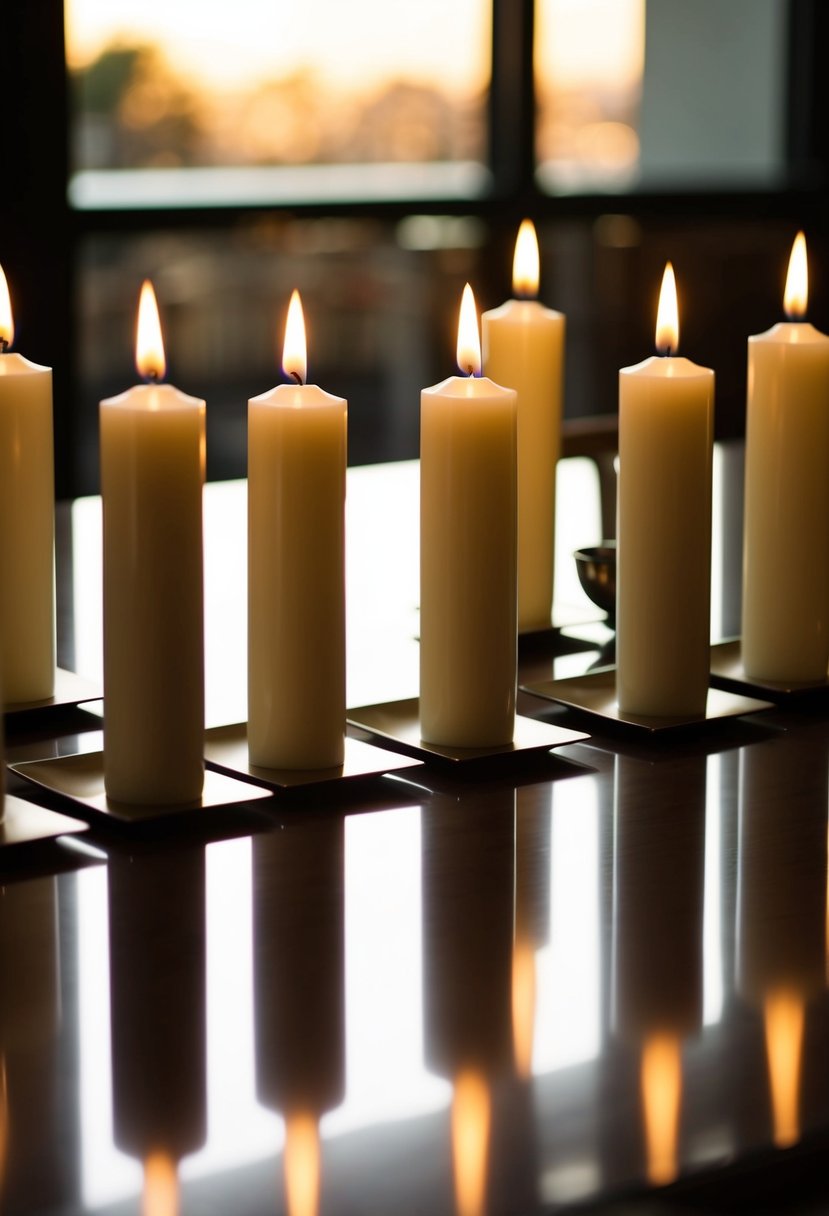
(471, 1113)
(523, 1006)
(469, 340)
(302, 1165)
(149, 345)
(294, 351)
(667, 314)
(661, 1081)
(6, 321)
(525, 265)
(161, 1190)
(796, 295)
(783, 1014)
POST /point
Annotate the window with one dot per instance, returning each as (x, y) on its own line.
(378, 185)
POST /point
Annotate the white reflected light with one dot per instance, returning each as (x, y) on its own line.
(106, 1173)
(567, 1025)
(87, 587)
(712, 956)
(717, 513)
(386, 1075)
(239, 1129)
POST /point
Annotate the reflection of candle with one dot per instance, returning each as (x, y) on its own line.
(785, 578)
(299, 991)
(302, 1165)
(161, 1186)
(157, 1004)
(468, 642)
(471, 1119)
(664, 527)
(661, 1084)
(27, 525)
(299, 978)
(152, 471)
(524, 349)
(658, 896)
(783, 1017)
(296, 568)
(533, 826)
(468, 875)
(658, 884)
(781, 907)
(523, 1004)
(30, 1043)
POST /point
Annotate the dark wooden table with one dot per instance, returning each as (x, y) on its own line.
(592, 979)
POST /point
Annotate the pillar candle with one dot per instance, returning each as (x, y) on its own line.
(468, 526)
(785, 626)
(152, 473)
(296, 569)
(524, 348)
(666, 415)
(27, 521)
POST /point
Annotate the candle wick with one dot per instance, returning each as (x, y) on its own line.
(470, 369)
(296, 377)
(152, 376)
(4, 346)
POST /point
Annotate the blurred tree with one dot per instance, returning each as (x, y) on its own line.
(133, 110)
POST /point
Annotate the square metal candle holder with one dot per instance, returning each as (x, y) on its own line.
(727, 672)
(226, 750)
(593, 697)
(24, 823)
(80, 778)
(397, 723)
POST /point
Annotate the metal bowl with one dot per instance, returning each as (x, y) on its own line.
(596, 568)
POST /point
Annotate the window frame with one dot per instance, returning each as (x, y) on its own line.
(41, 232)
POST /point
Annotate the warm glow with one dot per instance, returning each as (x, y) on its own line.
(294, 352)
(469, 340)
(149, 346)
(667, 315)
(525, 267)
(161, 1190)
(471, 1115)
(796, 295)
(6, 322)
(590, 44)
(302, 1165)
(661, 1081)
(523, 1005)
(783, 1013)
(248, 42)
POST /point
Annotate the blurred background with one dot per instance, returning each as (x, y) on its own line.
(376, 157)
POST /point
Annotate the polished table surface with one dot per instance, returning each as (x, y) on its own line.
(594, 980)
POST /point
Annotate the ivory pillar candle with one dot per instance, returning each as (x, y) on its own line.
(666, 416)
(27, 521)
(296, 569)
(152, 473)
(468, 524)
(785, 626)
(524, 349)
